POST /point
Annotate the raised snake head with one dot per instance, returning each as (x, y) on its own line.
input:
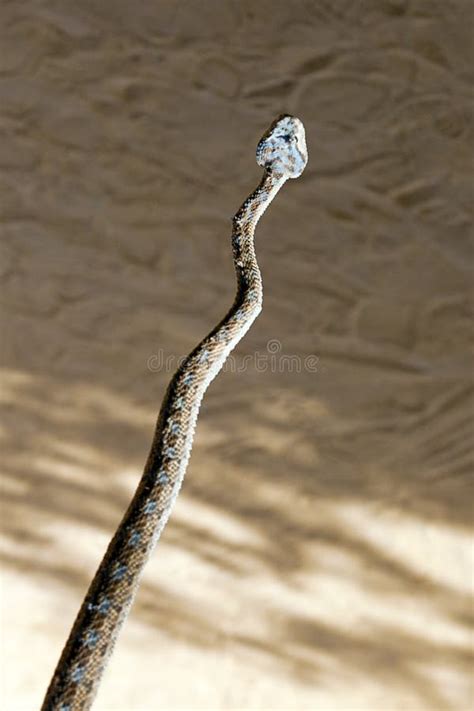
(282, 148)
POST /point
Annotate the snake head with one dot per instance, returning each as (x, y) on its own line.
(282, 148)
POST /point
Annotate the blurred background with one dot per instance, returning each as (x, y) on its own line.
(318, 556)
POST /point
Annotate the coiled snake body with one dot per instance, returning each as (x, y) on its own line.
(282, 154)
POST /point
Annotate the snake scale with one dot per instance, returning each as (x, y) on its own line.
(282, 154)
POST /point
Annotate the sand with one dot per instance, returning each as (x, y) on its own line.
(319, 555)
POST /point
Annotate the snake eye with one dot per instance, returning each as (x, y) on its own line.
(288, 138)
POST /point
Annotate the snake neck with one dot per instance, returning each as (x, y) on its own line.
(249, 283)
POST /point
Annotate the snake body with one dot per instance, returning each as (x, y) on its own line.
(282, 154)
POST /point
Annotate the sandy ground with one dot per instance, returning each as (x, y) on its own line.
(319, 555)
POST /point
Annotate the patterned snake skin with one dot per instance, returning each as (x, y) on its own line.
(282, 154)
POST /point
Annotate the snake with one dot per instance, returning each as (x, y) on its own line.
(282, 153)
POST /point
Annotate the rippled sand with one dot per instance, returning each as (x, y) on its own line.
(318, 557)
